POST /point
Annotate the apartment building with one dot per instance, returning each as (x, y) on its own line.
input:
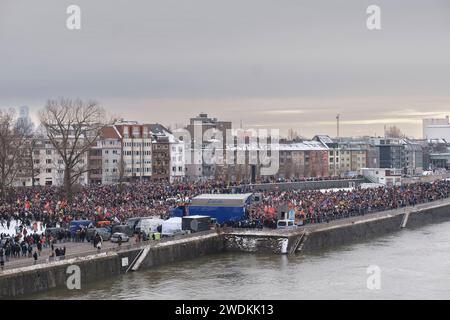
(47, 166)
(198, 168)
(400, 153)
(130, 151)
(348, 156)
(295, 160)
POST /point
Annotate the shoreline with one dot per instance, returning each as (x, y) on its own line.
(28, 280)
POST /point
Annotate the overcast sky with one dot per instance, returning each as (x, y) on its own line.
(270, 63)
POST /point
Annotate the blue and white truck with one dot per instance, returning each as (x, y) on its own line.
(224, 208)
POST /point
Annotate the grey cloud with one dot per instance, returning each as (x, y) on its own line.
(132, 56)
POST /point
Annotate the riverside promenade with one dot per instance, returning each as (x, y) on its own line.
(24, 278)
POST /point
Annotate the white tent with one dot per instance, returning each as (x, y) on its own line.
(171, 226)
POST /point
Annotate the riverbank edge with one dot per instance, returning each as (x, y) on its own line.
(97, 267)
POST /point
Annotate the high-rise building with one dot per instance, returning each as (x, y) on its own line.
(214, 130)
(438, 128)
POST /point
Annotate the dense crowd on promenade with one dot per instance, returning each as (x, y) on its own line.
(315, 206)
(26, 244)
(120, 202)
(47, 205)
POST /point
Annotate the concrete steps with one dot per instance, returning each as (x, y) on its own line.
(135, 264)
(299, 240)
(141, 258)
(405, 219)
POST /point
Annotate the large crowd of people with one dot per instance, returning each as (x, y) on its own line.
(120, 202)
(25, 244)
(116, 202)
(316, 206)
(26, 205)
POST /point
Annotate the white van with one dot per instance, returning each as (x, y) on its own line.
(149, 225)
(286, 224)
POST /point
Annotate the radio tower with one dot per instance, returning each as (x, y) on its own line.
(337, 125)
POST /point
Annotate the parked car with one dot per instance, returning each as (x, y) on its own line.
(4, 239)
(103, 232)
(115, 237)
(54, 232)
(122, 228)
(78, 224)
(132, 222)
(286, 224)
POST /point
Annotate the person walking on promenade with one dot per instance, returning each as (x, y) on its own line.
(99, 246)
(39, 247)
(119, 241)
(35, 257)
(2, 259)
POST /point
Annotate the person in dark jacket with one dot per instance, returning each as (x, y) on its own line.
(39, 247)
(35, 256)
(2, 258)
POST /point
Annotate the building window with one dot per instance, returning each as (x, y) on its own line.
(135, 132)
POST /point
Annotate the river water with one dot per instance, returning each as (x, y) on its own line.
(412, 264)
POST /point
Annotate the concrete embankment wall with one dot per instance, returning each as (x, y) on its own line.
(436, 214)
(183, 249)
(341, 232)
(106, 265)
(367, 228)
(329, 237)
(44, 277)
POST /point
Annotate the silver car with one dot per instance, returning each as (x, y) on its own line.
(116, 235)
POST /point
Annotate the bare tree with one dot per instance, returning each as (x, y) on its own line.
(73, 127)
(30, 161)
(393, 132)
(292, 134)
(12, 139)
(121, 170)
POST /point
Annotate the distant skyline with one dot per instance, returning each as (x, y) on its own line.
(274, 64)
